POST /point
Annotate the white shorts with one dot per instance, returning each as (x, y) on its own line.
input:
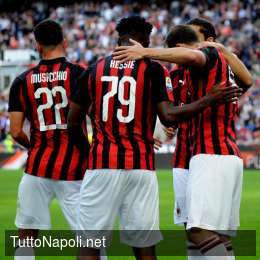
(180, 181)
(214, 192)
(131, 195)
(35, 195)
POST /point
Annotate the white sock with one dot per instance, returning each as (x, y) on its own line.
(22, 253)
(230, 251)
(213, 249)
(193, 251)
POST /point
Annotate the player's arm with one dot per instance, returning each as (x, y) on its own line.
(16, 129)
(76, 117)
(170, 114)
(179, 55)
(242, 75)
(17, 114)
(77, 113)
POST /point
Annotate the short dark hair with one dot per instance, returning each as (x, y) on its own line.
(134, 27)
(181, 34)
(207, 28)
(48, 33)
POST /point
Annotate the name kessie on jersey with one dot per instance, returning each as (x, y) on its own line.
(48, 76)
(126, 65)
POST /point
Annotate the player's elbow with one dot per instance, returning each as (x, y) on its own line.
(196, 58)
(249, 81)
(168, 120)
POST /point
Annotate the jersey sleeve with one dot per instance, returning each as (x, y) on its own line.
(16, 99)
(161, 83)
(211, 55)
(175, 78)
(81, 94)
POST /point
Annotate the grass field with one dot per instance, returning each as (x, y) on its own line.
(250, 210)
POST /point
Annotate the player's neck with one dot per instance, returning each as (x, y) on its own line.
(52, 55)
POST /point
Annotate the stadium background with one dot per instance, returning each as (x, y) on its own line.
(89, 29)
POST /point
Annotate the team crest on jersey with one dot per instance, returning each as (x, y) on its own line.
(168, 83)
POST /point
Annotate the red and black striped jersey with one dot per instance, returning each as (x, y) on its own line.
(180, 78)
(213, 130)
(43, 94)
(121, 100)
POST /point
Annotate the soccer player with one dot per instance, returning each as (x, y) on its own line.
(182, 155)
(215, 180)
(207, 35)
(123, 101)
(55, 166)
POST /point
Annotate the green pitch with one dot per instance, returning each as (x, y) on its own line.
(250, 210)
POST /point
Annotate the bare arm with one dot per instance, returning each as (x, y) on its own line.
(16, 129)
(237, 66)
(179, 55)
(239, 69)
(170, 114)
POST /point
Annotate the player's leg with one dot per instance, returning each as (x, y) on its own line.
(100, 199)
(209, 201)
(228, 244)
(180, 181)
(209, 243)
(34, 196)
(139, 213)
(235, 211)
(146, 253)
(67, 194)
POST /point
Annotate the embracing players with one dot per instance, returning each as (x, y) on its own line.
(55, 166)
(215, 178)
(182, 155)
(123, 101)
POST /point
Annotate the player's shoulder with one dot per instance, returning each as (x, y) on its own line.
(101, 61)
(75, 67)
(156, 66)
(210, 51)
(21, 78)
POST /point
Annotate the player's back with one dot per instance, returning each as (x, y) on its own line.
(43, 93)
(124, 112)
(213, 130)
(180, 78)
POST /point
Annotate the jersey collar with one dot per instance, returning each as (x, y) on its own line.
(52, 61)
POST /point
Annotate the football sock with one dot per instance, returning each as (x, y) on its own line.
(24, 252)
(230, 251)
(193, 251)
(213, 249)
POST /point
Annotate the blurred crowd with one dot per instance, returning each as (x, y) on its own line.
(90, 32)
(89, 27)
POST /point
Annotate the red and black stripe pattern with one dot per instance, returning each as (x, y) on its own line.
(213, 130)
(43, 93)
(180, 78)
(122, 101)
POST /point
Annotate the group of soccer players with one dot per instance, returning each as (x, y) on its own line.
(115, 176)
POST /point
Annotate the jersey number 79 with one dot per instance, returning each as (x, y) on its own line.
(117, 86)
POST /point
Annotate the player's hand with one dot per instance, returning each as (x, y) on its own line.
(170, 132)
(127, 53)
(157, 144)
(216, 45)
(222, 94)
